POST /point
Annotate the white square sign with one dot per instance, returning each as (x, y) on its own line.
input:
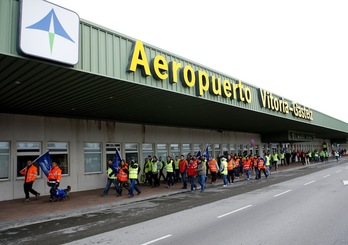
(49, 31)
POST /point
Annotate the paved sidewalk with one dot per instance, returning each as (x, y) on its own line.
(16, 212)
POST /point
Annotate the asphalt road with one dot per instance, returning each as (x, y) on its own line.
(304, 206)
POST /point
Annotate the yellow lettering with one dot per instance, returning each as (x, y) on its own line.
(173, 71)
(226, 85)
(159, 67)
(203, 82)
(187, 75)
(138, 58)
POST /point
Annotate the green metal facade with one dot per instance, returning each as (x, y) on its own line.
(107, 53)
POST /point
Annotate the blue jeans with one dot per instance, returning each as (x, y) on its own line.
(224, 177)
(108, 184)
(184, 179)
(192, 182)
(201, 181)
(247, 173)
(133, 187)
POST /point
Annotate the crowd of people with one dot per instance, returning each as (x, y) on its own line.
(191, 169)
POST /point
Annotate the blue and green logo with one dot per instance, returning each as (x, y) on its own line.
(51, 24)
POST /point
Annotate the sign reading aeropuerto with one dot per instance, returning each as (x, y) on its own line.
(48, 31)
(175, 72)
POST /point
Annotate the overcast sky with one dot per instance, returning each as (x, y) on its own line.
(296, 49)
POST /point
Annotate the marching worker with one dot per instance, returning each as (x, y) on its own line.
(191, 172)
(177, 170)
(213, 168)
(30, 174)
(230, 174)
(53, 178)
(183, 171)
(224, 170)
(201, 170)
(169, 164)
(261, 167)
(247, 166)
(155, 170)
(133, 176)
(111, 179)
(122, 178)
(148, 170)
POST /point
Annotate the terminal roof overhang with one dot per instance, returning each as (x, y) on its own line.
(37, 88)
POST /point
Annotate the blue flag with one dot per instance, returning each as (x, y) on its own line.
(44, 162)
(206, 153)
(198, 154)
(116, 163)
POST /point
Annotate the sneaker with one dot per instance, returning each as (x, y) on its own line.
(27, 200)
(37, 195)
(131, 196)
(224, 185)
(139, 193)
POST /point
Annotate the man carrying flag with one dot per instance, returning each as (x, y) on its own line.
(30, 173)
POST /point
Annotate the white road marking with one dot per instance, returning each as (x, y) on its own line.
(338, 171)
(326, 176)
(282, 193)
(156, 240)
(310, 182)
(345, 182)
(237, 210)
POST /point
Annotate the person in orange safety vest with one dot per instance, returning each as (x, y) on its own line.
(247, 166)
(213, 168)
(30, 174)
(122, 177)
(53, 178)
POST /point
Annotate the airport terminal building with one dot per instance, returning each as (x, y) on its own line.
(81, 90)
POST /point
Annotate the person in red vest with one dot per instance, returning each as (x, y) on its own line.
(213, 168)
(30, 174)
(122, 177)
(53, 178)
(191, 172)
(183, 171)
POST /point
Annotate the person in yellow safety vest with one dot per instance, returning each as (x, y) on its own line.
(111, 179)
(275, 160)
(148, 170)
(268, 164)
(177, 178)
(230, 171)
(326, 156)
(155, 170)
(169, 165)
(224, 170)
(213, 168)
(133, 176)
(282, 158)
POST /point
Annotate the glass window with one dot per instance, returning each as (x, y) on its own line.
(217, 149)
(175, 150)
(111, 151)
(162, 151)
(232, 149)
(59, 153)
(186, 149)
(197, 148)
(93, 159)
(27, 151)
(210, 150)
(146, 150)
(225, 149)
(132, 152)
(4, 160)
